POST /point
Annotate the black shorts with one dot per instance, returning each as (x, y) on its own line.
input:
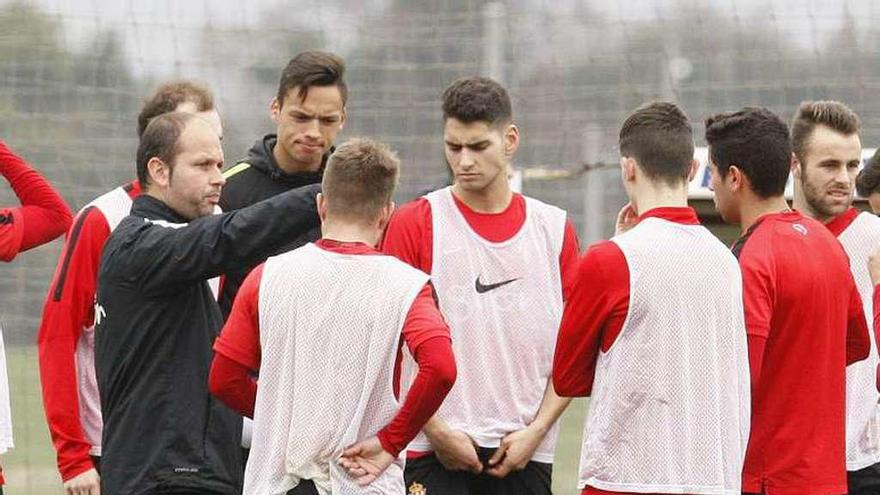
(865, 481)
(305, 487)
(426, 476)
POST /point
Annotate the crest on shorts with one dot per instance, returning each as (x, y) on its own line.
(417, 489)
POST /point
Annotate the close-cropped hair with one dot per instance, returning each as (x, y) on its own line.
(169, 95)
(660, 138)
(477, 99)
(312, 68)
(360, 179)
(756, 141)
(160, 140)
(868, 180)
(832, 114)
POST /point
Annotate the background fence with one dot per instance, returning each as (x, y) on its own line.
(73, 75)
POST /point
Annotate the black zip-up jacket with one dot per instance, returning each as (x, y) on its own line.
(254, 179)
(156, 321)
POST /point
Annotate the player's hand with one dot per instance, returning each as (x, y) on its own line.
(456, 451)
(515, 451)
(874, 267)
(85, 483)
(365, 461)
(627, 218)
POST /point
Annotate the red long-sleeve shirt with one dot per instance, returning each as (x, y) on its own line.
(43, 214)
(424, 331)
(67, 311)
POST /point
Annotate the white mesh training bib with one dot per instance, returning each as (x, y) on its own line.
(114, 205)
(330, 327)
(503, 303)
(860, 240)
(670, 411)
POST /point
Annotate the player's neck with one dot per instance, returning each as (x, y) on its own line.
(344, 231)
(800, 204)
(289, 165)
(754, 208)
(649, 196)
(495, 198)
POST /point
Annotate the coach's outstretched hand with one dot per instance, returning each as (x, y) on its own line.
(515, 451)
(85, 483)
(627, 218)
(365, 460)
(454, 449)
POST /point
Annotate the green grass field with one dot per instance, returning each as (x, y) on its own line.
(30, 467)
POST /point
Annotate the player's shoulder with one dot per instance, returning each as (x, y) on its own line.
(535, 204)
(416, 212)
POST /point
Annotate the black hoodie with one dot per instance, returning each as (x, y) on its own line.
(254, 179)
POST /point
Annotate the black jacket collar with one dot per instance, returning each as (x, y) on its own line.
(151, 208)
(261, 158)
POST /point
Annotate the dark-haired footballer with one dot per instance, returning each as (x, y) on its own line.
(500, 263)
(654, 333)
(309, 111)
(803, 311)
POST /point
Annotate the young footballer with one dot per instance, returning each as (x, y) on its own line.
(827, 150)
(66, 339)
(500, 264)
(42, 216)
(868, 182)
(323, 324)
(308, 111)
(803, 312)
(653, 332)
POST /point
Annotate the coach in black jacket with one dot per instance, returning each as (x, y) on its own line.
(309, 110)
(156, 318)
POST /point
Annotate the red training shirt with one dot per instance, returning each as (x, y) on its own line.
(424, 331)
(800, 298)
(68, 310)
(43, 214)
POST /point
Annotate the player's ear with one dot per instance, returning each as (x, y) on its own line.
(321, 202)
(796, 167)
(159, 172)
(343, 119)
(736, 177)
(275, 109)
(511, 140)
(695, 165)
(628, 168)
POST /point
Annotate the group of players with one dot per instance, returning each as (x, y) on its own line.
(452, 332)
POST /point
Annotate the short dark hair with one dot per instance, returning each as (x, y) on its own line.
(477, 99)
(660, 138)
(868, 180)
(169, 95)
(832, 114)
(312, 68)
(756, 141)
(360, 178)
(160, 140)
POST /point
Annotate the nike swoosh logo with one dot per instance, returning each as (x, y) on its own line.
(486, 288)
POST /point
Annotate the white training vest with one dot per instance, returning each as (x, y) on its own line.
(330, 328)
(860, 240)
(114, 206)
(5, 406)
(503, 303)
(670, 410)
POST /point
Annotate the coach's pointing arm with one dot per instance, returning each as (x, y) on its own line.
(169, 256)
